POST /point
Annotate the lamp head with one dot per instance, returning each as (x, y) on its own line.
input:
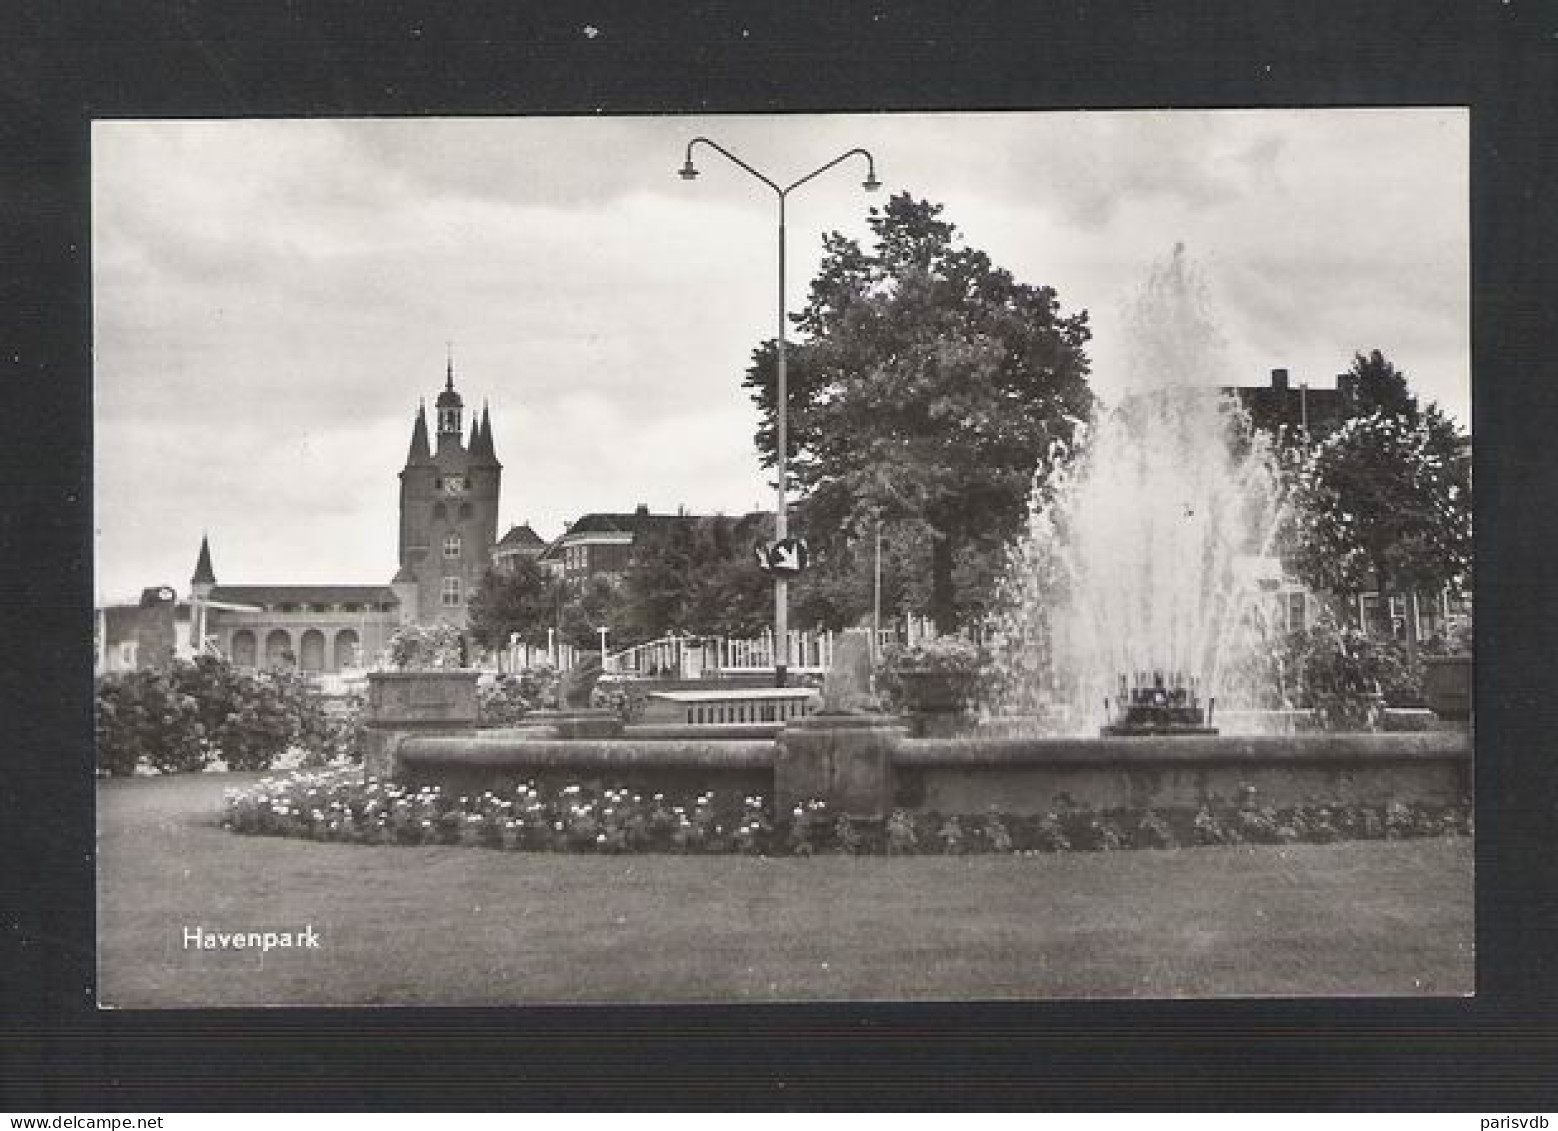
(871, 184)
(687, 172)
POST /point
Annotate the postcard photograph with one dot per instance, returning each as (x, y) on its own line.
(790, 558)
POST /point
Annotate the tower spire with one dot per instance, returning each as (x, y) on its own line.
(204, 574)
(419, 452)
(481, 444)
(450, 410)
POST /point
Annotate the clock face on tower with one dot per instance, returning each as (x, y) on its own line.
(454, 486)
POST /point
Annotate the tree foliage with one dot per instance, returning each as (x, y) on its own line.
(927, 391)
(1384, 502)
(590, 604)
(525, 598)
(185, 718)
(1373, 384)
(699, 577)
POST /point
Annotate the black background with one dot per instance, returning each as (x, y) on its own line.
(63, 64)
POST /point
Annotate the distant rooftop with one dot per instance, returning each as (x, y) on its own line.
(305, 594)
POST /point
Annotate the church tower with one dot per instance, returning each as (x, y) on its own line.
(448, 512)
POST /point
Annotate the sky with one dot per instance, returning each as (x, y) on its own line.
(272, 299)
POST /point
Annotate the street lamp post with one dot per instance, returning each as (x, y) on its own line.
(782, 437)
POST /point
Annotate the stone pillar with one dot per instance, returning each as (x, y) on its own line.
(844, 761)
(435, 701)
(1448, 686)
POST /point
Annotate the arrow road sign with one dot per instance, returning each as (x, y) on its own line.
(788, 557)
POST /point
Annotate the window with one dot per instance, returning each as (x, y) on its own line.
(1398, 616)
(1295, 611)
(452, 546)
(440, 511)
(451, 593)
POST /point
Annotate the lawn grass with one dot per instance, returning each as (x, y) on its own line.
(465, 926)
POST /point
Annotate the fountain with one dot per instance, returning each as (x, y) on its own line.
(1130, 586)
(1156, 707)
(1133, 588)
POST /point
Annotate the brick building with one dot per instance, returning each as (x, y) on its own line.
(602, 543)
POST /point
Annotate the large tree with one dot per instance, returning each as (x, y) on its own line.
(1374, 384)
(927, 390)
(526, 598)
(1384, 502)
(698, 577)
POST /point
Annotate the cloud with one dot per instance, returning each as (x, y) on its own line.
(273, 298)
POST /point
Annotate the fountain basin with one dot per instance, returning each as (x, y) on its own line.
(501, 759)
(1037, 775)
(845, 761)
(867, 765)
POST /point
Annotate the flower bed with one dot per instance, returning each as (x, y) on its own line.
(590, 817)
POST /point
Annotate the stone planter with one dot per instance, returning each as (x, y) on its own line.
(427, 701)
(938, 702)
(936, 692)
(845, 761)
(1447, 686)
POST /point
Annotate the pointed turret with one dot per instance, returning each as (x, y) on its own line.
(481, 441)
(420, 452)
(205, 577)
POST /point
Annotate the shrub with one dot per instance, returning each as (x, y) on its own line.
(185, 718)
(435, 646)
(344, 738)
(510, 698)
(146, 718)
(1343, 673)
(953, 657)
(997, 836)
(626, 695)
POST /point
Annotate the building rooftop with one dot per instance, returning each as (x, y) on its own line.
(305, 594)
(522, 538)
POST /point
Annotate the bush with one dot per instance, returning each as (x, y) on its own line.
(510, 698)
(344, 738)
(184, 719)
(414, 647)
(965, 664)
(625, 695)
(1342, 672)
(145, 718)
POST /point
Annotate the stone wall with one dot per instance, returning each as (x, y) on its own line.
(866, 767)
(1184, 772)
